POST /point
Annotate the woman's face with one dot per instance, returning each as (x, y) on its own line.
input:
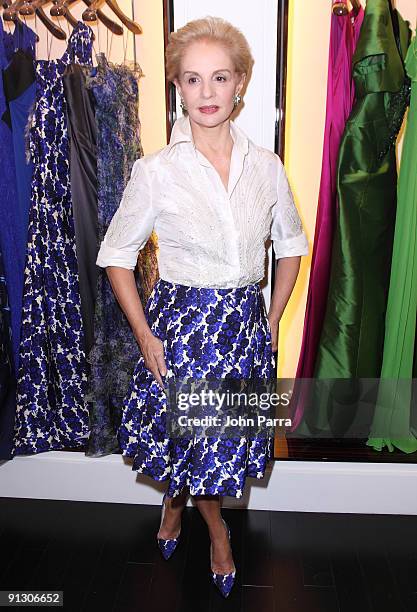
(208, 83)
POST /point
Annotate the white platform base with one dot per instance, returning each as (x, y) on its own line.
(370, 488)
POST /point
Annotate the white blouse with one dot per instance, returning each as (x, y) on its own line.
(207, 236)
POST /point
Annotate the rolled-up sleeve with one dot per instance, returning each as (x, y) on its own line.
(132, 223)
(287, 234)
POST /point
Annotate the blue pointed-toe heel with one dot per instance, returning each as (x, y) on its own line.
(224, 582)
(167, 547)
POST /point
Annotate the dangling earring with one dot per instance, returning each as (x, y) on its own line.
(182, 105)
(237, 100)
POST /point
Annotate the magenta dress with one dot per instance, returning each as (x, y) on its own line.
(344, 35)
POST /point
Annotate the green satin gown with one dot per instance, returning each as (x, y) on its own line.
(352, 338)
(396, 408)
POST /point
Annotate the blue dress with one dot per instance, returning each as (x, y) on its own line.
(12, 226)
(19, 81)
(51, 409)
(7, 376)
(7, 191)
(211, 334)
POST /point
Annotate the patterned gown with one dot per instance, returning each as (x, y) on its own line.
(51, 386)
(115, 350)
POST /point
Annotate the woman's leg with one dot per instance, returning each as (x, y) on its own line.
(172, 517)
(209, 507)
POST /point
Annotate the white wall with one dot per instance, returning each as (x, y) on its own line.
(150, 56)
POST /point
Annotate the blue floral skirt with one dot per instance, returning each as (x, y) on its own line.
(206, 333)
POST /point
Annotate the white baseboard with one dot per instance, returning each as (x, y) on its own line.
(301, 486)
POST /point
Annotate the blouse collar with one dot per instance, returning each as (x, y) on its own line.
(181, 132)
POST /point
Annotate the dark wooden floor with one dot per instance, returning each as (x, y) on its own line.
(105, 557)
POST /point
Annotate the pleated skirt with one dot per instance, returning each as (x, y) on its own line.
(206, 333)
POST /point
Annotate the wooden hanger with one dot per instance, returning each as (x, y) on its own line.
(66, 14)
(29, 8)
(60, 6)
(11, 14)
(90, 14)
(341, 8)
(17, 21)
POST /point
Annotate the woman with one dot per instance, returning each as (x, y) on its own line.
(214, 198)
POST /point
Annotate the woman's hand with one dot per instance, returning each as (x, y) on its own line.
(285, 277)
(274, 325)
(153, 354)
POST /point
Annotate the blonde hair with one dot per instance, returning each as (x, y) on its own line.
(212, 29)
